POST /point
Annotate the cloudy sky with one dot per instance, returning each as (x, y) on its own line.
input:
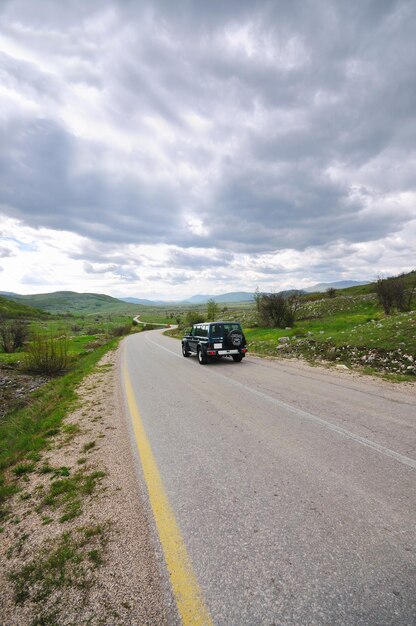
(161, 149)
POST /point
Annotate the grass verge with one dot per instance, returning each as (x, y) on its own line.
(24, 433)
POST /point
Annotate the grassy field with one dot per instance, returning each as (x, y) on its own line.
(349, 329)
(84, 332)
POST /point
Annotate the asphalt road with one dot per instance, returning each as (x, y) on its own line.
(293, 487)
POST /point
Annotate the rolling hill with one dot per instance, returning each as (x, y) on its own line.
(233, 296)
(10, 309)
(340, 284)
(73, 302)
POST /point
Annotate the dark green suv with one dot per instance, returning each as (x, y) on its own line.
(213, 340)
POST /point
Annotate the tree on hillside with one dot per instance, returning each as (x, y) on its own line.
(276, 310)
(212, 310)
(257, 299)
(391, 292)
(194, 317)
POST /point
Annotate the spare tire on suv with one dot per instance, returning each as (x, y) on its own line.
(234, 339)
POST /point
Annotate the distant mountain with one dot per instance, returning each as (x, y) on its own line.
(7, 294)
(198, 299)
(233, 296)
(340, 284)
(141, 301)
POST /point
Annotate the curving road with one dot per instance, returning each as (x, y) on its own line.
(293, 488)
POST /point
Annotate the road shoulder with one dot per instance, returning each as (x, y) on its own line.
(88, 556)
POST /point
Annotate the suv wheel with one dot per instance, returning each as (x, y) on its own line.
(184, 350)
(201, 358)
(237, 358)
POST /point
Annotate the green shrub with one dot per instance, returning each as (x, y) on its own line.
(275, 310)
(13, 334)
(393, 292)
(212, 310)
(194, 317)
(119, 331)
(149, 326)
(47, 355)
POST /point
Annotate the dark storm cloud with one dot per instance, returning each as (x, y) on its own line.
(298, 105)
(172, 278)
(101, 255)
(121, 272)
(101, 269)
(182, 259)
(40, 188)
(26, 78)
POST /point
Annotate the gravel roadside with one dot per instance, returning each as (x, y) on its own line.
(86, 556)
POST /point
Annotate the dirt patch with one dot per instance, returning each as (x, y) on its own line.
(77, 546)
(16, 388)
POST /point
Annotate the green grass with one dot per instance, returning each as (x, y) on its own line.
(352, 322)
(69, 488)
(7, 490)
(349, 329)
(11, 358)
(61, 563)
(66, 492)
(23, 468)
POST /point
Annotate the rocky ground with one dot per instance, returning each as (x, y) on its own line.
(77, 547)
(16, 387)
(397, 361)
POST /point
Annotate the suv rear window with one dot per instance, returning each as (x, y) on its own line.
(220, 330)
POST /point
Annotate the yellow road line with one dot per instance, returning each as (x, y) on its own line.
(188, 596)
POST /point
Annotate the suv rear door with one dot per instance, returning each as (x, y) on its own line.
(193, 341)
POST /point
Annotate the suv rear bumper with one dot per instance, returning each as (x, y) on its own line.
(225, 352)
